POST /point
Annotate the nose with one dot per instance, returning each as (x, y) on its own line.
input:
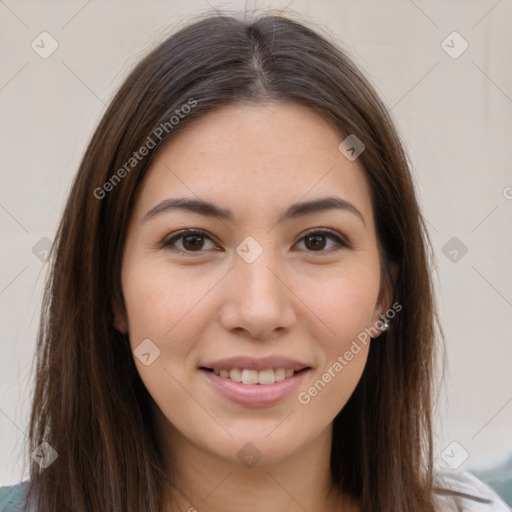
(258, 300)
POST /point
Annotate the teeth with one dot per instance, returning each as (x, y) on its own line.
(250, 376)
(266, 377)
(235, 375)
(279, 374)
(254, 376)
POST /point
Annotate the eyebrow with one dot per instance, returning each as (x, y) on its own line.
(208, 209)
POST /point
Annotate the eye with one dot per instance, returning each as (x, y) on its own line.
(315, 241)
(193, 240)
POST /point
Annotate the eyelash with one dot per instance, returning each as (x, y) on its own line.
(169, 241)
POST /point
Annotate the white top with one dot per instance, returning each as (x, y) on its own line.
(467, 494)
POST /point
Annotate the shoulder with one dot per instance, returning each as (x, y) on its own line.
(463, 491)
(11, 497)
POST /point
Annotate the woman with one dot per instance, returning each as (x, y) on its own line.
(239, 313)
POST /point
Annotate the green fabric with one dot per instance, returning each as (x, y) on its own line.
(11, 497)
(499, 478)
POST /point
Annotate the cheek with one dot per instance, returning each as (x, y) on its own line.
(342, 353)
(347, 304)
(160, 306)
(158, 298)
(173, 309)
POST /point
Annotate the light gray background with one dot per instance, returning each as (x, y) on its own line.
(455, 116)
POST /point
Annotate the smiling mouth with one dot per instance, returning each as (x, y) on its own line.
(249, 376)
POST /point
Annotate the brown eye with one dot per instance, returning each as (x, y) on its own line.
(187, 241)
(193, 242)
(316, 241)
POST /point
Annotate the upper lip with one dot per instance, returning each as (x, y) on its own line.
(256, 363)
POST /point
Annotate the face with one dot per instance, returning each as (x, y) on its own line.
(252, 286)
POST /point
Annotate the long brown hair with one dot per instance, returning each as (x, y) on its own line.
(89, 403)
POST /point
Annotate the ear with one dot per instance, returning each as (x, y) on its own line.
(386, 293)
(120, 320)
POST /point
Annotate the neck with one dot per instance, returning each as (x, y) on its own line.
(201, 481)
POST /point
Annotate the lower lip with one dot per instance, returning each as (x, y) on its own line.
(255, 394)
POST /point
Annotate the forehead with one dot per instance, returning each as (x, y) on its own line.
(259, 155)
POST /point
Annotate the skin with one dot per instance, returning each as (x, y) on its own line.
(209, 303)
